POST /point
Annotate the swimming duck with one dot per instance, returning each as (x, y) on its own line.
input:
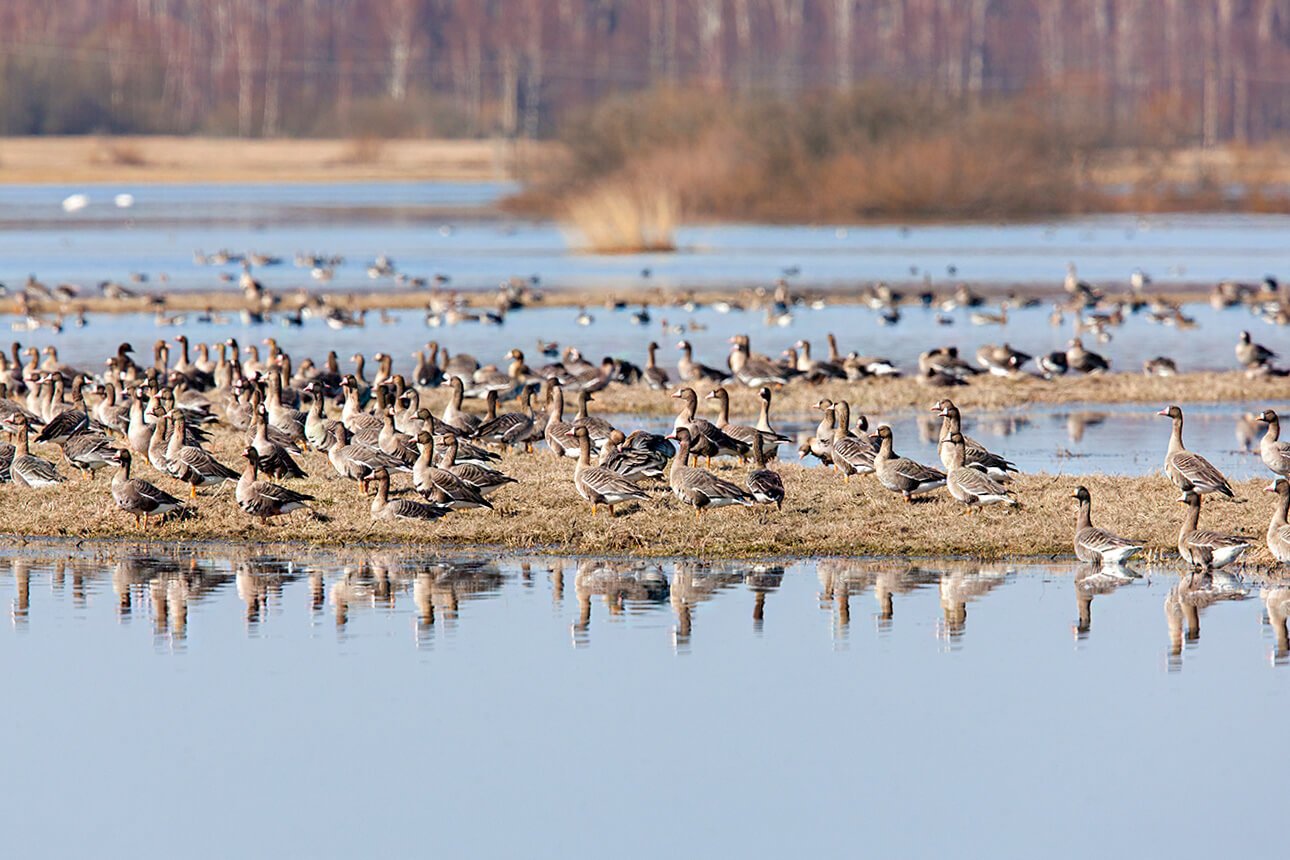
(699, 487)
(900, 474)
(1206, 550)
(1187, 470)
(1098, 545)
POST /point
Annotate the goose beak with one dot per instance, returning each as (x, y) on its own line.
(1164, 412)
(710, 395)
(672, 438)
(1270, 488)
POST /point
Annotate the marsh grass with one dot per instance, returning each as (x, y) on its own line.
(118, 153)
(822, 515)
(623, 217)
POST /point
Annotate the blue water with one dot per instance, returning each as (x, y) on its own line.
(235, 703)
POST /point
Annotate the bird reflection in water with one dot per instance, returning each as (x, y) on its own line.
(21, 606)
(1183, 604)
(1091, 581)
(762, 580)
(1276, 601)
(694, 583)
(958, 587)
(620, 583)
(1078, 422)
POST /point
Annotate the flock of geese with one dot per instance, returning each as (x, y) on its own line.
(373, 431)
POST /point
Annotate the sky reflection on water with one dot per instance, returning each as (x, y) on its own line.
(370, 703)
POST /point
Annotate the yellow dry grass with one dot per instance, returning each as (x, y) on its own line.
(822, 516)
(624, 217)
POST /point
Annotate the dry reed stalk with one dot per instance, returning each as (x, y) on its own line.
(624, 217)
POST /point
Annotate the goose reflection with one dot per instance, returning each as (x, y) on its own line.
(958, 587)
(694, 583)
(618, 582)
(1183, 604)
(21, 606)
(762, 580)
(1091, 581)
(438, 589)
(1078, 422)
(1276, 601)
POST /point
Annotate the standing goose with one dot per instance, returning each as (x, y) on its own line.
(763, 424)
(699, 487)
(1190, 471)
(559, 433)
(139, 497)
(1098, 545)
(821, 444)
(509, 428)
(360, 462)
(440, 485)
(192, 464)
(970, 486)
(690, 370)
(89, 452)
(655, 377)
(1274, 453)
(385, 508)
(1279, 528)
(742, 432)
(1253, 356)
(901, 474)
(263, 499)
(453, 413)
(598, 429)
(706, 439)
(1080, 359)
(274, 459)
(1205, 549)
(853, 455)
(978, 457)
(599, 485)
(765, 484)
(487, 481)
(27, 469)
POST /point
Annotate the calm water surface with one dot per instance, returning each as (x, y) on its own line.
(284, 703)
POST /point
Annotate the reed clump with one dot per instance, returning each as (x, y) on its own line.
(622, 216)
(118, 153)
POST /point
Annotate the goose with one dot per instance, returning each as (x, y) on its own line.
(1001, 360)
(68, 422)
(1274, 453)
(598, 484)
(765, 485)
(192, 464)
(771, 440)
(440, 485)
(274, 459)
(89, 452)
(385, 508)
(486, 480)
(706, 439)
(510, 428)
(453, 413)
(754, 370)
(820, 445)
(1251, 355)
(1098, 545)
(816, 371)
(986, 318)
(900, 474)
(1205, 549)
(1187, 470)
(27, 469)
(138, 497)
(360, 462)
(970, 486)
(559, 433)
(978, 456)
(741, 432)
(690, 370)
(698, 487)
(597, 428)
(1279, 528)
(1053, 364)
(263, 499)
(655, 377)
(1080, 359)
(640, 455)
(1161, 365)
(852, 455)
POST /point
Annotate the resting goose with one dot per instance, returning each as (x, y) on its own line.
(1279, 528)
(1205, 549)
(598, 429)
(510, 428)
(1274, 453)
(89, 452)
(1190, 471)
(138, 497)
(1098, 545)
(263, 499)
(1080, 359)
(484, 479)
(599, 485)
(641, 455)
(27, 469)
(692, 371)
(385, 508)
(852, 455)
(1253, 356)
(699, 487)
(766, 486)
(970, 486)
(978, 457)
(900, 474)
(1001, 360)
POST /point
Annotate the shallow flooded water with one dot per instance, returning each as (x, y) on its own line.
(371, 703)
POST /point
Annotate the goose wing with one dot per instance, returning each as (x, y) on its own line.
(1103, 542)
(1199, 472)
(915, 471)
(410, 509)
(38, 469)
(766, 483)
(855, 452)
(1215, 541)
(978, 483)
(700, 482)
(606, 483)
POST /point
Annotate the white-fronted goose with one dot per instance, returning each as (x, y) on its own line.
(763, 425)
(1160, 366)
(765, 484)
(192, 464)
(901, 474)
(970, 486)
(67, 423)
(690, 370)
(441, 486)
(1098, 545)
(706, 439)
(263, 499)
(742, 432)
(138, 497)
(1188, 470)
(1274, 453)
(1251, 355)
(89, 452)
(275, 460)
(640, 455)
(852, 455)
(698, 487)
(1001, 360)
(1080, 359)
(559, 433)
(484, 479)
(821, 444)
(813, 370)
(27, 469)
(509, 428)
(755, 371)
(655, 377)
(978, 457)
(599, 485)
(385, 508)
(360, 462)
(1279, 528)
(1205, 549)
(598, 429)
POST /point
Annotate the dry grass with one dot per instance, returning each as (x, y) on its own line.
(823, 516)
(361, 150)
(118, 153)
(624, 217)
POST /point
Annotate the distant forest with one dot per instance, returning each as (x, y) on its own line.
(1173, 71)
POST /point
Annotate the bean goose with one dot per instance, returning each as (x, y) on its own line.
(1274, 453)
(699, 487)
(263, 499)
(1098, 545)
(385, 508)
(1206, 550)
(1279, 528)
(901, 474)
(138, 497)
(440, 485)
(978, 457)
(1190, 471)
(970, 486)
(27, 469)
(599, 485)
(765, 484)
